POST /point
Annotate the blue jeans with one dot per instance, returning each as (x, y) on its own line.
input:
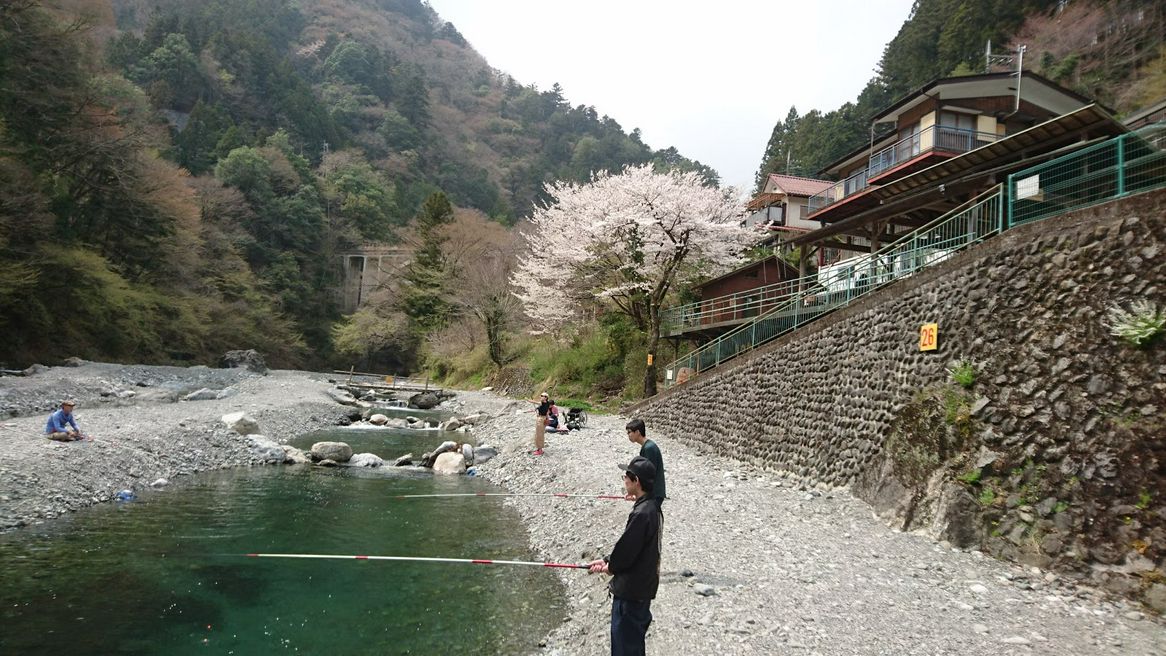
(629, 624)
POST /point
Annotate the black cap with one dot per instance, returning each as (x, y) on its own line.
(641, 468)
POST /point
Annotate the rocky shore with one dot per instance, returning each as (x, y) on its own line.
(756, 564)
(753, 563)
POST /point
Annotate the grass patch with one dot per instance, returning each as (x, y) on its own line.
(971, 477)
(963, 373)
(987, 497)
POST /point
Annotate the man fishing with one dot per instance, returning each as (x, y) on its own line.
(62, 427)
(638, 434)
(634, 562)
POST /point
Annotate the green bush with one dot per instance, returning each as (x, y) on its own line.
(963, 373)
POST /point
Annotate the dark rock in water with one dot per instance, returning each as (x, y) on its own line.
(424, 400)
(248, 358)
(427, 459)
(404, 460)
(327, 463)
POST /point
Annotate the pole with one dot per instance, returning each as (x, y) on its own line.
(470, 561)
(506, 494)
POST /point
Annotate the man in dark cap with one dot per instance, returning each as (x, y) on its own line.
(634, 562)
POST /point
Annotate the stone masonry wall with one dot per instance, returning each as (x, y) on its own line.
(1064, 465)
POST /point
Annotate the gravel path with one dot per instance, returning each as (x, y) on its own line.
(789, 571)
(142, 433)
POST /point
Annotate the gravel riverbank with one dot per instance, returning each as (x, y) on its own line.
(754, 565)
(142, 432)
(751, 565)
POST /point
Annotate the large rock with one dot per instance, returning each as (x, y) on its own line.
(451, 425)
(295, 456)
(404, 460)
(248, 358)
(474, 419)
(204, 394)
(241, 423)
(449, 464)
(267, 451)
(378, 420)
(365, 460)
(484, 453)
(334, 451)
(424, 400)
(341, 396)
(448, 445)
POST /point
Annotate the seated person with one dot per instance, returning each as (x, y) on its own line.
(61, 425)
(553, 416)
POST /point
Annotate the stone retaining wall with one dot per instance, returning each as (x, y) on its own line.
(1064, 461)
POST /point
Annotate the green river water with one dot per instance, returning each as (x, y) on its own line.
(165, 574)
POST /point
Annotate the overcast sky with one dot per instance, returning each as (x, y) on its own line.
(711, 78)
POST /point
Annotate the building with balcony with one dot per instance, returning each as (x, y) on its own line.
(731, 299)
(783, 203)
(942, 120)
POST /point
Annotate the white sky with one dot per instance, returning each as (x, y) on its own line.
(711, 78)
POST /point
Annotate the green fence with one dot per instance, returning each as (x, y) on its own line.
(1128, 164)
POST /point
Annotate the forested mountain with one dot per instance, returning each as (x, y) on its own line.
(177, 177)
(1111, 50)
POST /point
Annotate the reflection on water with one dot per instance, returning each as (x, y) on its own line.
(165, 574)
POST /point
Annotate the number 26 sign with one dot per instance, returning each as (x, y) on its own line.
(929, 337)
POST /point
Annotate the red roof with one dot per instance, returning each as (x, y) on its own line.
(797, 186)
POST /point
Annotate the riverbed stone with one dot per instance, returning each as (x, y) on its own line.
(266, 451)
(378, 420)
(335, 451)
(295, 456)
(365, 460)
(241, 423)
(450, 463)
(424, 401)
(204, 394)
(404, 460)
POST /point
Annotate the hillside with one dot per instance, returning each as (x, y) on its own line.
(179, 176)
(1112, 51)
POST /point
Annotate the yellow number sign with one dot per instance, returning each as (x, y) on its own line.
(929, 337)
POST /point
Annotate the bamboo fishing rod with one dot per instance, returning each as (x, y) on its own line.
(510, 494)
(470, 561)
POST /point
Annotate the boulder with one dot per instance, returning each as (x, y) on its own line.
(341, 396)
(226, 393)
(266, 451)
(365, 460)
(378, 420)
(449, 464)
(204, 394)
(404, 460)
(474, 419)
(396, 422)
(448, 445)
(451, 425)
(241, 423)
(424, 400)
(484, 453)
(73, 362)
(334, 451)
(468, 454)
(161, 482)
(248, 358)
(35, 369)
(157, 395)
(295, 456)
(327, 463)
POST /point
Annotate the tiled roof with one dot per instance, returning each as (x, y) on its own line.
(798, 186)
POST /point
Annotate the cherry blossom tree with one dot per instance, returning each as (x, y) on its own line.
(625, 240)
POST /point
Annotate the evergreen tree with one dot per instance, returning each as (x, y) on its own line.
(426, 297)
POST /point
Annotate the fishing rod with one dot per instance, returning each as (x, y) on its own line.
(471, 561)
(510, 494)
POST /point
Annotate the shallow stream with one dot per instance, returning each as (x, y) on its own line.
(166, 572)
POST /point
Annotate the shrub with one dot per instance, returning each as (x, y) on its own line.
(1139, 325)
(963, 373)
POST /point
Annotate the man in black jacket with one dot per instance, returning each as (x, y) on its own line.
(634, 563)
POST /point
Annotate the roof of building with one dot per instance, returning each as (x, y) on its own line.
(788, 270)
(794, 185)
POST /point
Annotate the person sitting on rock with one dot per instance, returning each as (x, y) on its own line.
(61, 426)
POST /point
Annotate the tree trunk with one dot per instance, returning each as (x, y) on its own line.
(494, 337)
(653, 345)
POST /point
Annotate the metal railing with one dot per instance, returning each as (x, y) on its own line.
(935, 137)
(838, 285)
(730, 307)
(1125, 165)
(853, 184)
(1131, 163)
